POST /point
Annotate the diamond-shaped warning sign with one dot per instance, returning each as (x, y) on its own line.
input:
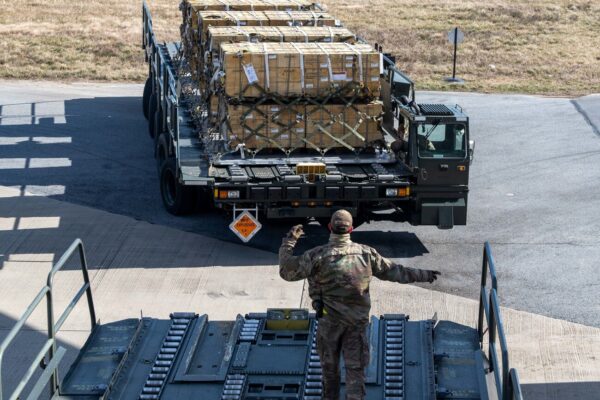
(245, 226)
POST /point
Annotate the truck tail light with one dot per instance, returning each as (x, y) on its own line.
(397, 192)
(227, 194)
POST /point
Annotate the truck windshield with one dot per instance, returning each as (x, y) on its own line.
(437, 140)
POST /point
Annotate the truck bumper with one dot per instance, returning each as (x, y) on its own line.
(444, 213)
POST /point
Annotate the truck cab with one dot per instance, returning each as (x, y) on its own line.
(432, 140)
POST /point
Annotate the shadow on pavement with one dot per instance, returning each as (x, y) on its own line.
(561, 391)
(23, 350)
(97, 152)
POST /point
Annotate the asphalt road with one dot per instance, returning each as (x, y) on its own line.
(535, 187)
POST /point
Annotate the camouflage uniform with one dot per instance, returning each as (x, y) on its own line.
(339, 274)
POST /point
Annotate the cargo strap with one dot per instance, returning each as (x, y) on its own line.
(225, 3)
(237, 21)
(331, 34)
(293, 21)
(267, 78)
(257, 17)
(360, 64)
(315, 18)
(329, 68)
(301, 65)
(304, 33)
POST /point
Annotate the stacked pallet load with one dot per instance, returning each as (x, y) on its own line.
(284, 80)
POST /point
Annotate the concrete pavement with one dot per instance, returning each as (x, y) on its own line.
(75, 161)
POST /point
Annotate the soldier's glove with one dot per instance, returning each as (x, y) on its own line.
(432, 275)
(295, 232)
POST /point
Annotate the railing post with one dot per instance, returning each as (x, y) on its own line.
(86, 280)
(52, 336)
(481, 294)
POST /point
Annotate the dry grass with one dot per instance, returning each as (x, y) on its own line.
(539, 46)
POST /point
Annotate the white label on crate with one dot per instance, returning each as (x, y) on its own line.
(284, 136)
(324, 79)
(274, 109)
(248, 131)
(242, 23)
(327, 40)
(272, 56)
(349, 65)
(250, 73)
(338, 22)
(374, 78)
(349, 57)
(250, 116)
(339, 76)
(299, 130)
(309, 86)
(325, 65)
(274, 130)
(374, 65)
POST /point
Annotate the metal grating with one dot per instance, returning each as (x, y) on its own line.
(313, 388)
(262, 172)
(435, 109)
(394, 360)
(157, 378)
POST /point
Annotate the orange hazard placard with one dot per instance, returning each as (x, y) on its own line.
(245, 226)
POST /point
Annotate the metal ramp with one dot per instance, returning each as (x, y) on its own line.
(269, 355)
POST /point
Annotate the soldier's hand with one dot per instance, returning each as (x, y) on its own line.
(295, 232)
(432, 275)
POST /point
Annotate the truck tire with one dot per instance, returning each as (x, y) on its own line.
(177, 198)
(152, 115)
(146, 97)
(162, 150)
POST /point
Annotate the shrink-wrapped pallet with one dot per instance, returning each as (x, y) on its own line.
(253, 70)
(233, 34)
(295, 126)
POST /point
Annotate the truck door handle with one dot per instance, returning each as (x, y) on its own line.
(444, 167)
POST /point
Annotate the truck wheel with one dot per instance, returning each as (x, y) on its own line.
(177, 198)
(146, 96)
(151, 113)
(162, 150)
(205, 200)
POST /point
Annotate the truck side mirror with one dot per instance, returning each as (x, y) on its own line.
(471, 150)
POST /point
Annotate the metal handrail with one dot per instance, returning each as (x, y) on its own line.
(50, 347)
(507, 382)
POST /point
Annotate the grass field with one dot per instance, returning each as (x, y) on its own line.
(541, 46)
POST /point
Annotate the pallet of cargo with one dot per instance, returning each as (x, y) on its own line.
(288, 127)
(253, 70)
(233, 34)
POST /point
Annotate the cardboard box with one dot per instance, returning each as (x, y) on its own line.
(255, 34)
(300, 69)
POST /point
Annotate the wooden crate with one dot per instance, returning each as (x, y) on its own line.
(300, 69)
(249, 5)
(276, 126)
(264, 126)
(341, 121)
(233, 34)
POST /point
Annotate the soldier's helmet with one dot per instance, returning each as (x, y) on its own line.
(341, 222)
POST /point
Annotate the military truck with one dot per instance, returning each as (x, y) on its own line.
(419, 169)
(266, 355)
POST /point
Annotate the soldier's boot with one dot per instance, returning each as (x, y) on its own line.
(355, 349)
(355, 384)
(331, 386)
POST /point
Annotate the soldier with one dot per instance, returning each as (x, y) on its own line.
(338, 276)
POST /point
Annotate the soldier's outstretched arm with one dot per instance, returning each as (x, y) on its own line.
(387, 270)
(291, 267)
